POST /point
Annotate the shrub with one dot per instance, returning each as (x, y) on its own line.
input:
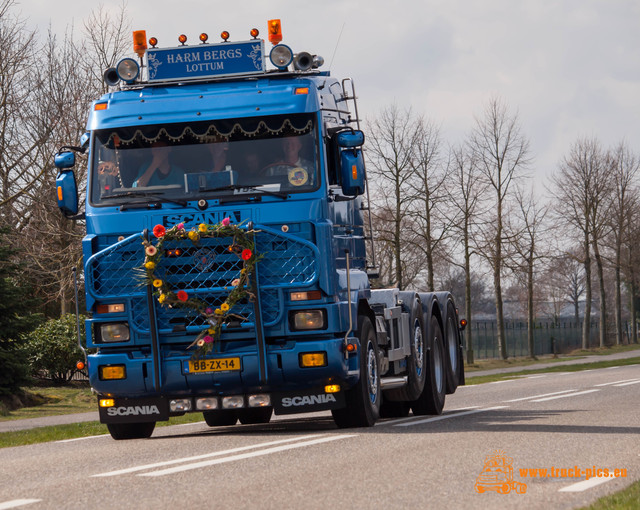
(53, 349)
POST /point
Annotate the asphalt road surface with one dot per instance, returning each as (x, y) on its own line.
(573, 425)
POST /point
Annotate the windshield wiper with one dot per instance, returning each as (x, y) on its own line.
(235, 187)
(148, 194)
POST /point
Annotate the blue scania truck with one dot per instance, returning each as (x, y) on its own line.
(201, 134)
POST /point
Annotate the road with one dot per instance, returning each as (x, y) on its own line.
(584, 420)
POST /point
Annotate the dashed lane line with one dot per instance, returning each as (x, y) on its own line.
(233, 458)
(538, 396)
(15, 503)
(204, 456)
(587, 484)
(627, 383)
(575, 394)
(615, 382)
(447, 416)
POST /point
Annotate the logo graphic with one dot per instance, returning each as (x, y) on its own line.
(497, 475)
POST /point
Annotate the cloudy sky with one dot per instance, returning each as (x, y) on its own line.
(569, 69)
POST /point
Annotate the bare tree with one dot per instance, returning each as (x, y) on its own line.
(429, 210)
(579, 190)
(625, 197)
(391, 139)
(465, 189)
(528, 251)
(502, 153)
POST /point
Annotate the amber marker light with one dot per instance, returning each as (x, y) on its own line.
(224, 35)
(80, 365)
(139, 42)
(100, 106)
(182, 39)
(463, 323)
(332, 388)
(301, 91)
(254, 33)
(153, 42)
(275, 31)
(313, 359)
(352, 347)
(204, 37)
(107, 402)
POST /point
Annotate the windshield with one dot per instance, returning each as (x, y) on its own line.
(270, 155)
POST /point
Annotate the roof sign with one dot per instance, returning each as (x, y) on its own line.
(205, 61)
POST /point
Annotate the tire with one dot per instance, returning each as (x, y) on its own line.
(364, 399)
(220, 418)
(390, 409)
(431, 400)
(452, 349)
(416, 363)
(121, 431)
(254, 415)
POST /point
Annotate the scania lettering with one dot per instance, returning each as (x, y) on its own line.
(270, 144)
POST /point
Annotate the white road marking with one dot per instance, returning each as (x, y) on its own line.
(242, 456)
(586, 484)
(500, 382)
(204, 456)
(410, 418)
(446, 416)
(564, 396)
(81, 438)
(535, 376)
(611, 368)
(17, 502)
(537, 396)
(628, 383)
(615, 382)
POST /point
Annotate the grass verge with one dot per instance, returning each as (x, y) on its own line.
(75, 430)
(562, 368)
(626, 499)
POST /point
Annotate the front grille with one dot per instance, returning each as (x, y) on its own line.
(204, 271)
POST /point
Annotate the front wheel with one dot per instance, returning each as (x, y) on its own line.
(363, 400)
(120, 431)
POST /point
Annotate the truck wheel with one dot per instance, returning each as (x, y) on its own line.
(131, 430)
(431, 401)
(416, 363)
(253, 415)
(220, 418)
(363, 400)
(452, 348)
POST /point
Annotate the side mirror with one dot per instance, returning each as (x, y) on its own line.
(352, 172)
(67, 190)
(65, 160)
(350, 139)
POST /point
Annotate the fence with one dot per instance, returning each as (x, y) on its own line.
(549, 337)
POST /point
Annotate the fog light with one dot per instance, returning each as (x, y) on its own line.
(107, 402)
(111, 372)
(233, 402)
(259, 400)
(332, 388)
(179, 405)
(206, 403)
(313, 359)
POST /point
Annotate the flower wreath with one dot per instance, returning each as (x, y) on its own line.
(242, 245)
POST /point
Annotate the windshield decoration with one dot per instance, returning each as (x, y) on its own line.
(176, 163)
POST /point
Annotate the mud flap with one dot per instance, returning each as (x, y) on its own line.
(306, 401)
(135, 410)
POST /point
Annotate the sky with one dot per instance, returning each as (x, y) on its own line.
(569, 69)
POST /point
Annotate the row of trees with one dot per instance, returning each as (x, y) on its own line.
(470, 212)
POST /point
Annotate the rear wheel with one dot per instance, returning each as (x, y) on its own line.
(253, 415)
(452, 346)
(431, 400)
(220, 418)
(131, 430)
(363, 400)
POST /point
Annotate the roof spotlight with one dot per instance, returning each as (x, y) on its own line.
(204, 37)
(281, 56)
(128, 70)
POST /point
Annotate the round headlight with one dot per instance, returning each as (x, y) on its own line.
(281, 56)
(128, 69)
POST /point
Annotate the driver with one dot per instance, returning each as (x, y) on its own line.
(298, 169)
(160, 172)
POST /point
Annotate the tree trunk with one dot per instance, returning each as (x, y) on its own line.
(603, 299)
(467, 298)
(530, 324)
(586, 321)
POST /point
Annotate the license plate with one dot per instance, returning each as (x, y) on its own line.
(205, 366)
